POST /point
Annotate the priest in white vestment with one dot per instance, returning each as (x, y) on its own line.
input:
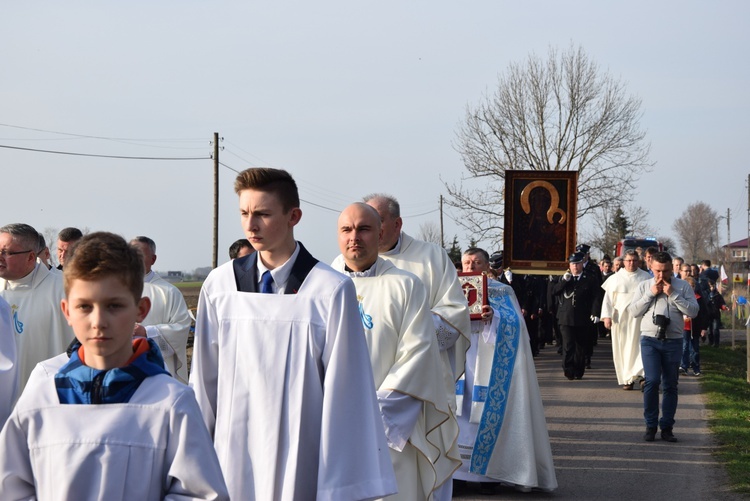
(34, 294)
(8, 363)
(168, 322)
(503, 432)
(625, 328)
(420, 428)
(280, 367)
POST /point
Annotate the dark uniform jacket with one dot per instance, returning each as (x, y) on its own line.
(578, 299)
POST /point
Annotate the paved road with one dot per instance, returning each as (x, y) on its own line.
(596, 431)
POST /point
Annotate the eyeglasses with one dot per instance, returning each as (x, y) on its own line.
(5, 252)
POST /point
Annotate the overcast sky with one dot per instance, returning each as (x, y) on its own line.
(350, 97)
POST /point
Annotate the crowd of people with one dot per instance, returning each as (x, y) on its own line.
(364, 379)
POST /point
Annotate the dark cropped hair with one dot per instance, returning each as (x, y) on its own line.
(662, 257)
(99, 255)
(476, 250)
(69, 234)
(276, 181)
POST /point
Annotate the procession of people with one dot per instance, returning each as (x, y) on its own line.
(363, 379)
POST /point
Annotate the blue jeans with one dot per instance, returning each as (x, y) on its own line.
(691, 357)
(661, 364)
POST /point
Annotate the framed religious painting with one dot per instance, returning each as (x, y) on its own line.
(474, 287)
(540, 220)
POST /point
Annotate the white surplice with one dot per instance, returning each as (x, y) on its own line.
(514, 447)
(168, 323)
(8, 362)
(431, 264)
(154, 447)
(406, 361)
(285, 387)
(38, 322)
(626, 329)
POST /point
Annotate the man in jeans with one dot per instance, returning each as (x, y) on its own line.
(662, 301)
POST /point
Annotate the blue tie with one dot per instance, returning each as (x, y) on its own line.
(266, 282)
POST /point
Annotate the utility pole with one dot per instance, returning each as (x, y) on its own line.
(747, 329)
(215, 259)
(442, 238)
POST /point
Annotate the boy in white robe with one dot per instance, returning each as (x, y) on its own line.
(503, 432)
(280, 364)
(107, 421)
(420, 428)
(168, 321)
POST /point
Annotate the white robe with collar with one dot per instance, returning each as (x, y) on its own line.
(152, 448)
(431, 264)
(168, 323)
(626, 329)
(406, 360)
(8, 362)
(38, 321)
(285, 387)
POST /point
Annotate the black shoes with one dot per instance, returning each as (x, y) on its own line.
(650, 434)
(667, 435)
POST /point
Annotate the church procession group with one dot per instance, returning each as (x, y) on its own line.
(363, 379)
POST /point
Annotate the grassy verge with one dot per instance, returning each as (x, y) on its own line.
(727, 391)
(187, 285)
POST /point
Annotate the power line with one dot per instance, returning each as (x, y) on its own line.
(97, 137)
(36, 150)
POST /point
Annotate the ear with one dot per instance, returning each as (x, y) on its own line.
(153, 259)
(294, 216)
(65, 307)
(399, 223)
(144, 306)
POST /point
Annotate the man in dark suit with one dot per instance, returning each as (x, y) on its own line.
(577, 293)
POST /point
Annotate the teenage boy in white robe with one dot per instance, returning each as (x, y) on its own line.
(280, 364)
(107, 421)
(34, 294)
(503, 433)
(419, 426)
(168, 322)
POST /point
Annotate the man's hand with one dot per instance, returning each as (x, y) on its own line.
(607, 323)
(487, 313)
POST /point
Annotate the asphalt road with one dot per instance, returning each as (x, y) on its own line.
(596, 432)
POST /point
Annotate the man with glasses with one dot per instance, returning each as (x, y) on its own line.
(625, 328)
(34, 294)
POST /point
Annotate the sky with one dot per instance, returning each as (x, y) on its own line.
(350, 97)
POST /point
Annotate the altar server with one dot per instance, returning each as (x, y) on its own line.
(281, 368)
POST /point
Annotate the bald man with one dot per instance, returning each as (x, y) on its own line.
(405, 358)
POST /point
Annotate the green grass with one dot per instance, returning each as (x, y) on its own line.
(725, 385)
(187, 285)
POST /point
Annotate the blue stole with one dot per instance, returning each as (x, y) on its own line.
(504, 359)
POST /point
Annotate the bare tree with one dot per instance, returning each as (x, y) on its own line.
(558, 114)
(429, 232)
(696, 231)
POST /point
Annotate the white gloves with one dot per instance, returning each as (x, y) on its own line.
(568, 275)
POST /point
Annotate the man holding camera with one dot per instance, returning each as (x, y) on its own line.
(662, 301)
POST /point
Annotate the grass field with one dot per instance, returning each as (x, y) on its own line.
(727, 391)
